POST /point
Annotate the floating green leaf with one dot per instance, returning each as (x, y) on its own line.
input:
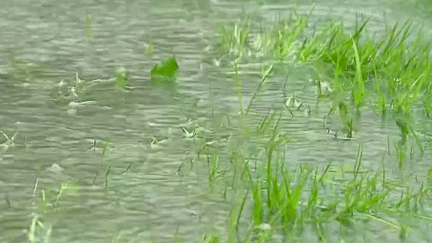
(167, 68)
(164, 73)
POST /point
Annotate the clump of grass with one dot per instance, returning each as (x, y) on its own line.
(387, 71)
(286, 201)
(280, 41)
(47, 202)
(390, 68)
(361, 193)
(234, 40)
(347, 120)
(279, 199)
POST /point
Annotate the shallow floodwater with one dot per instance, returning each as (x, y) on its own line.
(155, 189)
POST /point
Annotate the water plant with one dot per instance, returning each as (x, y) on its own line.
(265, 74)
(280, 41)
(67, 91)
(23, 71)
(38, 231)
(234, 40)
(283, 39)
(211, 238)
(361, 72)
(149, 48)
(8, 142)
(47, 201)
(121, 78)
(392, 70)
(346, 119)
(213, 167)
(165, 72)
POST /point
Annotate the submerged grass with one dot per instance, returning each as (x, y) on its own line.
(390, 71)
(242, 42)
(285, 201)
(288, 201)
(387, 72)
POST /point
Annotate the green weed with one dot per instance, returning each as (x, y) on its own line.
(149, 48)
(121, 78)
(283, 38)
(165, 73)
(213, 167)
(265, 74)
(234, 41)
(211, 238)
(22, 71)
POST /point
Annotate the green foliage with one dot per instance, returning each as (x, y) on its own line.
(167, 68)
(346, 119)
(211, 239)
(165, 73)
(395, 71)
(149, 48)
(234, 41)
(21, 71)
(279, 41)
(121, 78)
(283, 37)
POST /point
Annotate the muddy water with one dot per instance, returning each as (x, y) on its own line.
(154, 189)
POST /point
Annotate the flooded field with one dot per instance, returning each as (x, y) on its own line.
(215, 121)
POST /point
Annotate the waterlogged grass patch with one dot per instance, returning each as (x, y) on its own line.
(121, 78)
(280, 41)
(79, 91)
(22, 71)
(48, 202)
(285, 201)
(234, 40)
(67, 91)
(390, 73)
(8, 141)
(165, 72)
(390, 70)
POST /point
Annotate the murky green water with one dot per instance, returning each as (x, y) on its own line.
(156, 186)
